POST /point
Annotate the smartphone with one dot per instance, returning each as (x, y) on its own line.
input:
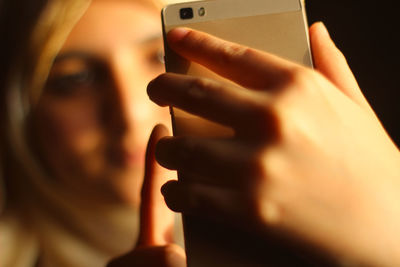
(275, 26)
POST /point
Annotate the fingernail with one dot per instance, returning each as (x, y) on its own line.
(324, 30)
(177, 34)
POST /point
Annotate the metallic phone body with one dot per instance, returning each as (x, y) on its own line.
(275, 26)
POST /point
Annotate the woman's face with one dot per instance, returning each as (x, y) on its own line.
(93, 120)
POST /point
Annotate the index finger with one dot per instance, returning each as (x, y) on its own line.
(156, 220)
(243, 65)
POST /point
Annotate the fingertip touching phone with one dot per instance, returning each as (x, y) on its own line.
(275, 26)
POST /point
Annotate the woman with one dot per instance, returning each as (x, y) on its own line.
(75, 134)
(288, 195)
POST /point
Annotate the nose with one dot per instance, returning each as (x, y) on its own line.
(130, 114)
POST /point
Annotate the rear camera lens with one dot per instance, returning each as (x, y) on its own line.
(186, 13)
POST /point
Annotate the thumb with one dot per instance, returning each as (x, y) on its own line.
(156, 220)
(330, 61)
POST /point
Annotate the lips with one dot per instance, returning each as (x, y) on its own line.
(134, 158)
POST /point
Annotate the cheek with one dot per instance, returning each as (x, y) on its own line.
(68, 128)
(164, 117)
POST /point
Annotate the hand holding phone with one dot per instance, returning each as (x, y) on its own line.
(294, 130)
(278, 27)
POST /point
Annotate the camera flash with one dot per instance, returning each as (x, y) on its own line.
(202, 11)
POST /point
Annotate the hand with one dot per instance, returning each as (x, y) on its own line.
(309, 157)
(154, 246)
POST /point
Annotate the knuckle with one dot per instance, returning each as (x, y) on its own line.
(192, 36)
(199, 89)
(198, 83)
(269, 212)
(255, 168)
(266, 119)
(296, 75)
(262, 112)
(232, 52)
(263, 203)
(265, 209)
(196, 39)
(299, 88)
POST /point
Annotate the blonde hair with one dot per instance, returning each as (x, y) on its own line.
(30, 72)
(27, 72)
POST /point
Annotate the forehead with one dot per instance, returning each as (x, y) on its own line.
(110, 24)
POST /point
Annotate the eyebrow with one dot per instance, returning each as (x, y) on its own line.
(73, 55)
(150, 39)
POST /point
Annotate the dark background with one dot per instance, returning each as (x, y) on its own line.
(368, 34)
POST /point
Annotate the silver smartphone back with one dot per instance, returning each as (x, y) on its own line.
(274, 26)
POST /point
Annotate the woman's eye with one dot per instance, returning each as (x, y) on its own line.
(71, 83)
(157, 57)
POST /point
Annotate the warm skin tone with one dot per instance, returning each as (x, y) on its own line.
(314, 161)
(94, 118)
(154, 247)
(92, 123)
